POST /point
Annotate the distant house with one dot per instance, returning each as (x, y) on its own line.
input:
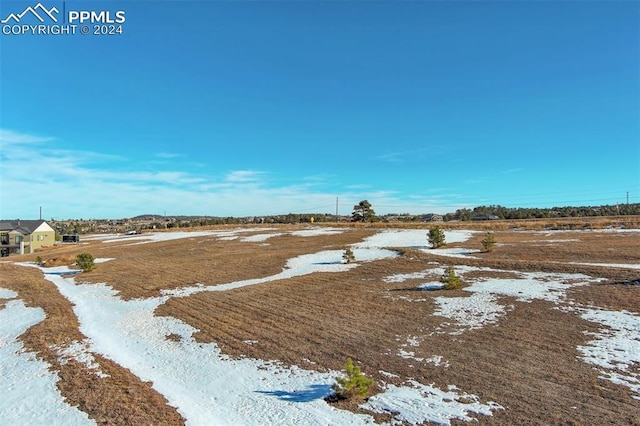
(485, 217)
(25, 236)
(432, 217)
(70, 238)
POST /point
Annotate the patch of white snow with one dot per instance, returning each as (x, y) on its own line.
(455, 252)
(7, 294)
(470, 313)
(28, 388)
(258, 238)
(421, 403)
(532, 285)
(312, 232)
(610, 265)
(79, 352)
(615, 349)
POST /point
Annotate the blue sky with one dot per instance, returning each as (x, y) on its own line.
(250, 108)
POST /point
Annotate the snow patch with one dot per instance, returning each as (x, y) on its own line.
(415, 238)
(615, 349)
(532, 285)
(28, 388)
(454, 252)
(79, 352)
(399, 278)
(7, 294)
(438, 361)
(610, 265)
(258, 238)
(420, 403)
(153, 237)
(470, 313)
(312, 232)
(408, 355)
(324, 261)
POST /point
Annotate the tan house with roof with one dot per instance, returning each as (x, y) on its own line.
(25, 236)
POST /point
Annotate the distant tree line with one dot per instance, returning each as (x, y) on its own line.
(362, 212)
(186, 221)
(501, 212)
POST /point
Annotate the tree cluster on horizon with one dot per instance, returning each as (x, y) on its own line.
(501, 212)
(363, 212)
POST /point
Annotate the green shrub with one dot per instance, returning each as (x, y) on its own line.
(348, 256)
(84, 261)
(436, 237)
(354, 385)
(38, 261)
(488, 242)
(450, 280)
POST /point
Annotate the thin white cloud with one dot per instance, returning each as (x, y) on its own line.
(244, 176)
(320, 178)
(393, 157)
(399, 157)
(358, 186)
(86, 184)
(168, 155)
(8, 137)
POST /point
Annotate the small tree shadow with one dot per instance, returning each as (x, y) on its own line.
(435, 287)
(628, 282)
(312, 393)
(334, 398)
(63, 273)
(419, 247)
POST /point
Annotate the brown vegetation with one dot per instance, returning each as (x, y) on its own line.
(528, 362)
(120, 398)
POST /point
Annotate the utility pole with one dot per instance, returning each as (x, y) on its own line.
(336, 209)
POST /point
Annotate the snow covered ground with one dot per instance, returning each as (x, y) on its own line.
(614, 350)
(616, 347)
(262, 234)
(28, 388)
(208, 387)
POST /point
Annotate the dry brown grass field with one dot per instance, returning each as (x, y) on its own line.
(528, 362)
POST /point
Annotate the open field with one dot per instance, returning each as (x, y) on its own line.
(250, 325)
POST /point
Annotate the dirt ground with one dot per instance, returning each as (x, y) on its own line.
(527, 362)
(120, 398)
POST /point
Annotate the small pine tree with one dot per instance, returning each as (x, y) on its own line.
(436, 237)
(348, 256)
(84, 261)
(38, 261)
(450, 280)
(355, 384)
(488, 242)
